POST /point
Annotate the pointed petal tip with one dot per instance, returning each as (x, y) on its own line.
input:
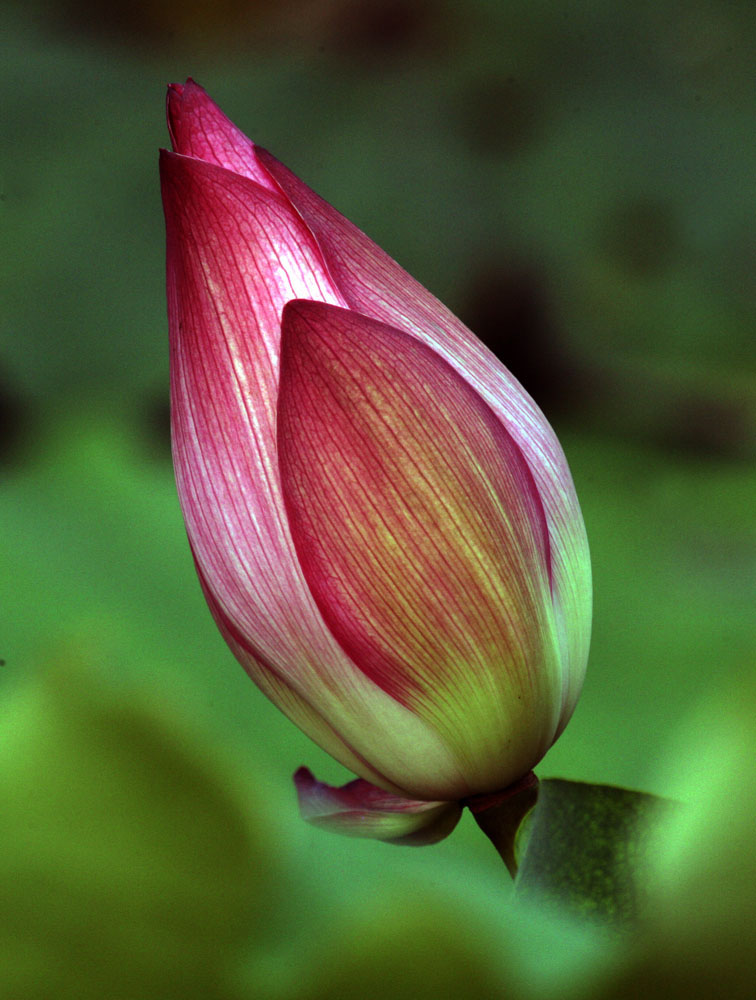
(306, 317)
(189, 83)
(303, 777)
(309, 308)
(182, 100)
(359, 809)
(178, 90)
(200, 129)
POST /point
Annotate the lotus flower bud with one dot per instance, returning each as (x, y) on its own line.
(383, 522)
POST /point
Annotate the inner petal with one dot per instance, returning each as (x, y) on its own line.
(416, 520)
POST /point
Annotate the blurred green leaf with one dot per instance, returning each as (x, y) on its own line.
(697, 937)
(585, 848)
(128, 869)
(406, 949)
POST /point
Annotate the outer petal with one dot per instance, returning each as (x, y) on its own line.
(359, 809)
(224, 314)
(375, 285)
(236, 254)
(421, 535)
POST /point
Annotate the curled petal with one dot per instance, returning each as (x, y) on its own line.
(359, 809)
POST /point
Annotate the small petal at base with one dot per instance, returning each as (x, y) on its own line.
(360, 809)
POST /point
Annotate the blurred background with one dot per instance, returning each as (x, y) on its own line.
(577, 181)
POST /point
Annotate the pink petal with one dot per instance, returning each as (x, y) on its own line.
(236, 253)
(359, 809)
(375, 285)
(420, 533)
(199, 129)
(225, 341)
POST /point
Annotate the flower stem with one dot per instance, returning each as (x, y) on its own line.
(499, 815)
